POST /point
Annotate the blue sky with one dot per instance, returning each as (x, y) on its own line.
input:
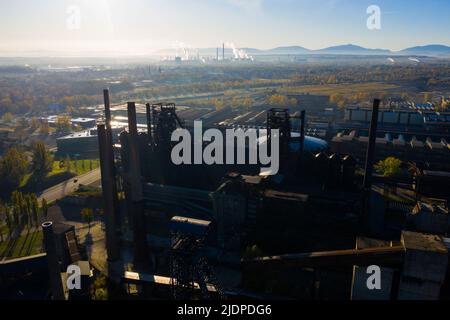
(139, 26)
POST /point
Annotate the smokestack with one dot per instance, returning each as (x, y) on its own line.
(140, 241)
(54, 270)
(107, 108)
(109, 194)
(371, 146)
(217, 54)
(302, 131)
(112, 208)
(135, 166)
(223, 51)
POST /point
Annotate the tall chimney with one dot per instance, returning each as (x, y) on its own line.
(112, 215)
(107, 108)
(54, 270)
(109, 193)
(371, 147)
(223, 51)
(217, 54)
(139, 235)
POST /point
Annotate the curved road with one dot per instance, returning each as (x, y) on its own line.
(61, 190)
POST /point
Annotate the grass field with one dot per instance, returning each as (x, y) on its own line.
(88, 191)
(342, 89)
(59, 174)
(25, 245)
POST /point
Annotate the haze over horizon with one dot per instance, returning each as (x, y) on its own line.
(138, 27)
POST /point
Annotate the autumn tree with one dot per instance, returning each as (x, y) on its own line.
(44, 128)
(219, 104)
(42, 160)
(7, 117)
(63, 124)
(44, 208)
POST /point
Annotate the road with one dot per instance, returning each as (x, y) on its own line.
(61, 190)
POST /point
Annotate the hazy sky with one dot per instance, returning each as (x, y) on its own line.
(139, 26)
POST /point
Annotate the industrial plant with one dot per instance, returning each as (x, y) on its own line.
(234, 231)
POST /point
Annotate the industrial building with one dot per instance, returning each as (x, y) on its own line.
(202, 231)
(83, 123)
(420, 116)
(78, 144)
(232, 231)
(435, 149)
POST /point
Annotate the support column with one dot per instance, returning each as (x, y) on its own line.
(371, 146)
(370, 221)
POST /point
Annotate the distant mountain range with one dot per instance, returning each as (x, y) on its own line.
(349, 49)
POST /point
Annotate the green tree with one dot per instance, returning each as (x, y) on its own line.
(13, 167)
(67, 164)
(87, 214)
(35, 209)
(15, 205)
(9, 220)
(389, 167)
(42, 160)
(44, 208)
(28, 212)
